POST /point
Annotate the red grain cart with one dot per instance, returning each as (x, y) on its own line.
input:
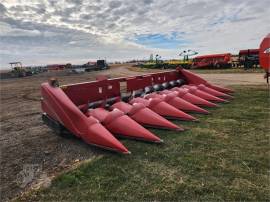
(212, 61)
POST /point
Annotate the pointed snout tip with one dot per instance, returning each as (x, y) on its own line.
(195, 120)
(180, 129)
(206, 113)
(203, 111)
(127, 152)
(160, 141)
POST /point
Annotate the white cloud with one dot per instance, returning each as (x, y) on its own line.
(79, 30)
(7, 30)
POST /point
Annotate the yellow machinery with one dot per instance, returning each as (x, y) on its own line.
(18, 70)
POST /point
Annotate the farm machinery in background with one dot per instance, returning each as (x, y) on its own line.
(187, 53)
(186, 62)
(183, 63)
(246, 58)
(87, 67)
(94, 66)
(212, 61)
(18, 70)
(154, 63)
(90, 66)
(249, 58)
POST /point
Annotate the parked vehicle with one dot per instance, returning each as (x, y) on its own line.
(19, 71)
(249, 58)
(212, 61)
(98, 65)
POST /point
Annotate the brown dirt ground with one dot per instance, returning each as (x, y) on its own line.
(26, 140)
(235, 78)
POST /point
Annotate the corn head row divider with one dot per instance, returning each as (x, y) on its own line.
(98, 111)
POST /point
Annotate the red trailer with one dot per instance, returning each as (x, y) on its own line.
(212, 61)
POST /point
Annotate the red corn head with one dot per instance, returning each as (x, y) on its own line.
(101, 137)
(195, 91)
(182, 104)
(221, 89)
(120, 124)
(171, 99)
(184, 94)
(68, 106)
(213, 92)
(162, 108)
(59, 108)
(144, 115)
(195, 79)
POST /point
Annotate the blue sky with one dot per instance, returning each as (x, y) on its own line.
(38, 32)
(161, 41)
